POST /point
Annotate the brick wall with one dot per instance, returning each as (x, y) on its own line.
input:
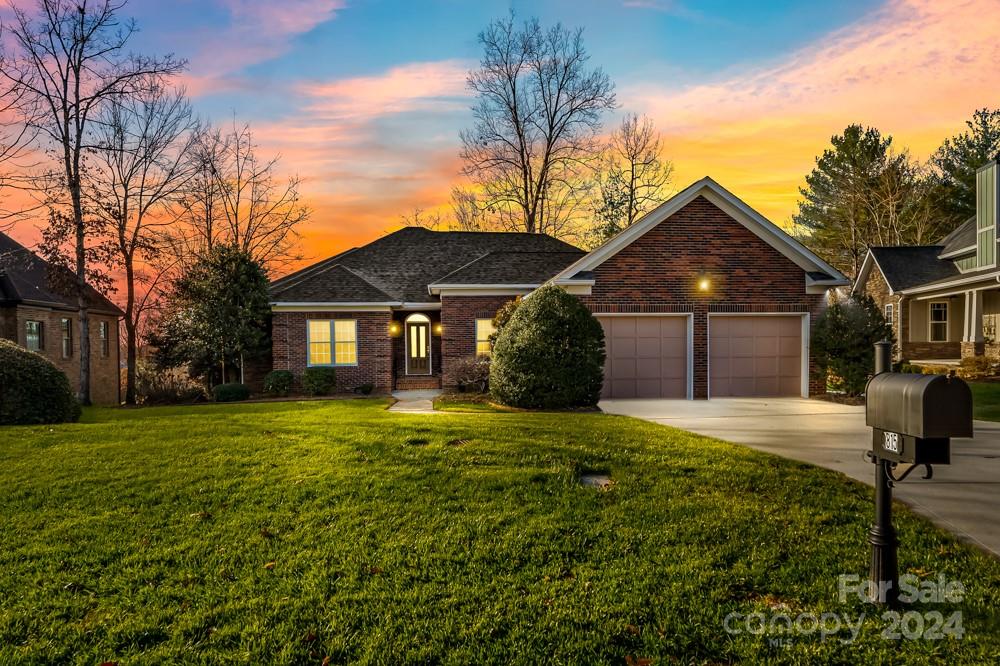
(458, 322)
(288, 347)
(105, 377)
(878, 289)
(917, 351)
(660, 271)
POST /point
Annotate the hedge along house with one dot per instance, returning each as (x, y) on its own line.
(703, 297)
(38, 312)
(943, 300)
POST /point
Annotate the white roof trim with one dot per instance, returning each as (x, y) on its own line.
(957, 253)
(484, 288)
(866, 269)
(993, 276)
(729, 203)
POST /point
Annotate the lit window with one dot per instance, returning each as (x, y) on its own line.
(333, 341)
(67, 337)
(484, 329)
(103, 332)
(345, 334)
(888, 313)
(939, 321)
(33, 335)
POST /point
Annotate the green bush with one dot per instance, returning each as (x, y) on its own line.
(319, 381)
(278, 382)
(549, 355)
(843, 342)
(32, 390)
(364, 389)
(232, 392)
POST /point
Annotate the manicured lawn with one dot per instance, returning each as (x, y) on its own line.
(986, 400)
(290, 532)
(469, 402)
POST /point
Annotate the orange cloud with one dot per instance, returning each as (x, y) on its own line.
(916, 69)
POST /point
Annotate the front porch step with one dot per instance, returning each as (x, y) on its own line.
(412, 382)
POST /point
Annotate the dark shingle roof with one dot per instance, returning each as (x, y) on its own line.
(911, 266)
(964, 236)
(334, 283)
(512, 268)
(27, 278)
(402, 264)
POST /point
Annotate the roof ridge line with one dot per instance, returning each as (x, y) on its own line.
(463, 266)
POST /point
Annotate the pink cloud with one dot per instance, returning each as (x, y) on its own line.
(916, 69)
(259, 30)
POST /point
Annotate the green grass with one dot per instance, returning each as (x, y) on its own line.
(470, 402)
(986, 400)
(291, 532)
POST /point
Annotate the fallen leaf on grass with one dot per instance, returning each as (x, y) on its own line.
(201, 515)
(269, 565)
(632, 629)
(637, 661)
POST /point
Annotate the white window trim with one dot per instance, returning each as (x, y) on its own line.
(41, 335)
(931, 322)
(475, 335)
(333, 346)
(889, 312)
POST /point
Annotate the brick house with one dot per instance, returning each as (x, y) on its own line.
(703, 297)
(943, 300)
(38, 313)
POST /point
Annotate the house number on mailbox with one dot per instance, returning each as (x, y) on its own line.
(891, 442)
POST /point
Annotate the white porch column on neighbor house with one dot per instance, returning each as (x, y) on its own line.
(966, 316)
(976, 317)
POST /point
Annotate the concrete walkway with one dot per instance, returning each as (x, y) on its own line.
(963, 497)
(415, 402)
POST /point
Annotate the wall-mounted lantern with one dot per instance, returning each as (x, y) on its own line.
(704, 283)
(394, 329)
(437, 329)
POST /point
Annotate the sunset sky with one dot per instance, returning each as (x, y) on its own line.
(365, 98)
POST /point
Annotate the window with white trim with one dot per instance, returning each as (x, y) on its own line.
(34, 335)
(939, 321)
(484, 330)
(332, 341)
(67, 337)
(888, 313)
(104, 333)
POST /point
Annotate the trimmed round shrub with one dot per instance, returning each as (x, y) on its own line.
(319, 381)
(232, 392)
(278, 382)
(549, 355)
(32, 390)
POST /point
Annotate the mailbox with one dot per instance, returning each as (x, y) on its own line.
(913, 417)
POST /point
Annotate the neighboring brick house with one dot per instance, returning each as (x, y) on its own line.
(703, 297)
(37, 312)
(943, 300)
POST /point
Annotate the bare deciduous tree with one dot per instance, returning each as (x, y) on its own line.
(140, 166)
(537, 114)
(236, 197)
(633, 177)
(65, 62)
(419, 217)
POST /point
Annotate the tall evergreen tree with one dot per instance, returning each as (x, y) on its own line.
(835, 204)
(955, 164)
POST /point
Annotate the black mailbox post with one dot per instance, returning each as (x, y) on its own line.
(913, 418)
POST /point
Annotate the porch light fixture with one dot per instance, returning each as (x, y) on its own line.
(704, 284)
(437, 329)
(393, 328)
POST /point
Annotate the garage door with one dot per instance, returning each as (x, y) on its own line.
(755, 356)
(646, 357)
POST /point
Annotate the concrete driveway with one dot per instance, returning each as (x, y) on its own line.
(963, 497)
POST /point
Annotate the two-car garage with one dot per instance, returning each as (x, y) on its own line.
(748, 355)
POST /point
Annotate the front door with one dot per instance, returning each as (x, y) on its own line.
(418, 348)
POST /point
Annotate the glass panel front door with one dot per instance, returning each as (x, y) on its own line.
(418, 348)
